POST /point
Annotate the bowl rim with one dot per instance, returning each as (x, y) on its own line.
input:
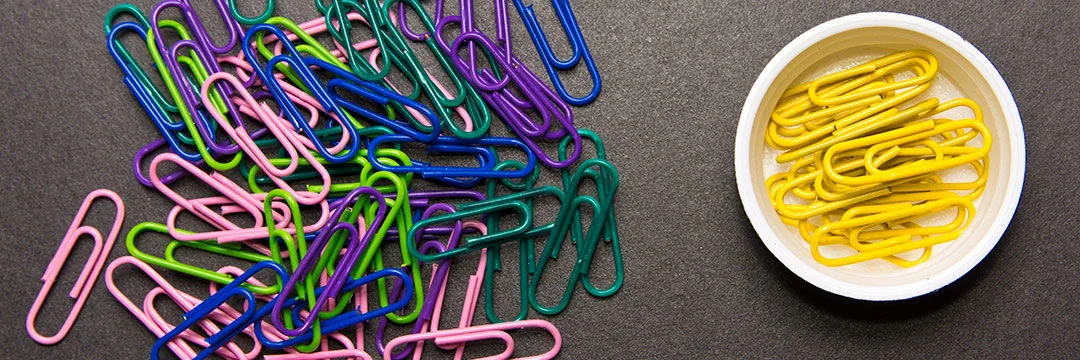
(807, 40)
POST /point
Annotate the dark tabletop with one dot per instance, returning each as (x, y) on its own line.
(676, 74)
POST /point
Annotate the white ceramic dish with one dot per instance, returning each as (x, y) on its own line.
(964, 70)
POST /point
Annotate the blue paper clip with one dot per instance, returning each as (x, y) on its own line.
(342, 321)
(449, 144)
(484, 157)
(144, 95)
(234, 328)
(300, 67)
(380, 95)
(547, 55)
(138, 72)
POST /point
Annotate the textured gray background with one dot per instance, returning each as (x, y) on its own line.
(699, 282)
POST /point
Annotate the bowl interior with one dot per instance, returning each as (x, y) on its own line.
(957, 77)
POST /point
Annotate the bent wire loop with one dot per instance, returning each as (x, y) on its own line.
(201, 47)
(483, 332)
(287, 140)
(170, 262)
(145, 93)
(343, 320)
(451, 144)
(88, 276)
(606, 187)
(585, 246)
(380, 95)
(181, 348)
(552, 63)
(356, 246)
(296, 62)
(186, 303)
(233, 289)
(518, 203)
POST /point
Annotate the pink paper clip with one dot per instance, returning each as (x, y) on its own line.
(90, 271)
(297, 96)
(239, 133)
(468, 307)
(350, 351)
(484, 332)
(216, 181)
(229, 207)
(179, 347)
(280, 129)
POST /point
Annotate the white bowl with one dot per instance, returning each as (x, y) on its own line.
(854, 39)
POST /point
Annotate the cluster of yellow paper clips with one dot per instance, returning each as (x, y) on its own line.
(865, 170)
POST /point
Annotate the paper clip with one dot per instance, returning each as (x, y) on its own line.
(230, 331)
(496, 90)
(225, 315)
(502, 35)
(380, 95)
(451, 144)
(120, 51)
(585, 246)
(202, 47)
(180, 348)
(902, 242)
(356, 246)
(341, 321)
(170, 263)
(227, 234)
(287, 139)
(137, 82)
(551, 62)
(606, 186)
(88, 276)
(218, 182)
(490, 207)
(496, 93)
(398, 47)
(298, 65)
(483, 332)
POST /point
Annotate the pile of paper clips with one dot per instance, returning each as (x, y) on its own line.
(337, 115)
(867, 175)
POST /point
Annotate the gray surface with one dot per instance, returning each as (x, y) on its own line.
(676, 74)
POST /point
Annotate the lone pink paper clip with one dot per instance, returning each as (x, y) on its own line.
(90, 271)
